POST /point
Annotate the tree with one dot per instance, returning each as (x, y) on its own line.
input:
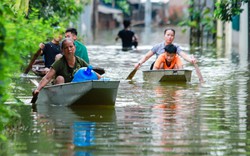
(122, 4)
(202, 21)
(61, 10)
(23, 25)
(227, 9)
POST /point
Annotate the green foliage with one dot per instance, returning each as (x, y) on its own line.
(8, 115)
(202, 18)
(122, 4)
(199, 19)
(227, 9)
(21, 31)
(63, 10)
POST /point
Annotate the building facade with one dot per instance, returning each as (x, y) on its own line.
(237, 35)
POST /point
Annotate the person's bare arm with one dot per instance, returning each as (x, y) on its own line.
(188, 58)
(117, 37)
(98, 75)
(58, 56)
(41, 46)
(155, 68)
(160, 67)
(144, 59)
(178, 66)
(45, 80)
(135, 38)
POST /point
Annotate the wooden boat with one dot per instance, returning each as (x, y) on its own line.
(38, 70)
(99, 92)
(180, 75)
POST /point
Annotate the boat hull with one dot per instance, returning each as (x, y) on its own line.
(82, 93)
(172, 75)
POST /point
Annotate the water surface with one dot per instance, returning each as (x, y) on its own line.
(149, 118)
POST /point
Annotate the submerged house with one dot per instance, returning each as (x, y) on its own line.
(104, 18)
(161, 12)
(108, 17)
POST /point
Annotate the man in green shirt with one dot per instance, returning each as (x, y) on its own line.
(81, 50)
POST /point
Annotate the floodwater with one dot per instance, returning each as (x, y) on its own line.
(149, 118)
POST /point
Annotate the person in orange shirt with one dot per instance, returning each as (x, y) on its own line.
(169, 59)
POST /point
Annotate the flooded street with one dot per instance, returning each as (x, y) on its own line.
(149, 118)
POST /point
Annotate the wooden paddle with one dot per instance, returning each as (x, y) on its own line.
(35, 56)
(131, 75)
(99, 70)
(198, 72)
(34, 98)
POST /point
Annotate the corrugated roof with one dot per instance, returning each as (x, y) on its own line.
(107, 10)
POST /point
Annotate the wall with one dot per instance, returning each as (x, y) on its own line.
(236, 41)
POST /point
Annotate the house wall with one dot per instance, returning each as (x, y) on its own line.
(162, 12)
(106, 21)
(243, 36)
(236, 40)
(85, 23)
(240, 37)
(176, 11)
(178, 3)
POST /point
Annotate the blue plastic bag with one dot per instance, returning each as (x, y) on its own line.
(85, 74)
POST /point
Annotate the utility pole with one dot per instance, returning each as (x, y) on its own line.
(148, 13)
(95, 18)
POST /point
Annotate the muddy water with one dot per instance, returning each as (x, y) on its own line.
(149, 118)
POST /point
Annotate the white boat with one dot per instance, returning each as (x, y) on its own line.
(171, 75)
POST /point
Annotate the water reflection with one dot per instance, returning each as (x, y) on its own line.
(170, 115)
(83, 133)
(73, 128)
(149, 118)
(163, 117)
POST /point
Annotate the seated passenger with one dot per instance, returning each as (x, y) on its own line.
(169, 59)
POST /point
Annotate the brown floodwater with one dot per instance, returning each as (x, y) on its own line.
(149, 118)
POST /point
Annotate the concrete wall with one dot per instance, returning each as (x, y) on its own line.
(240, 38)
(236, 42)
(243, 36)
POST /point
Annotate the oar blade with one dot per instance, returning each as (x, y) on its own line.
(131, 75)
(34, 82)
(34, 98)
(32, 61)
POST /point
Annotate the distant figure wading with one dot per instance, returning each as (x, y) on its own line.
(128, 37)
